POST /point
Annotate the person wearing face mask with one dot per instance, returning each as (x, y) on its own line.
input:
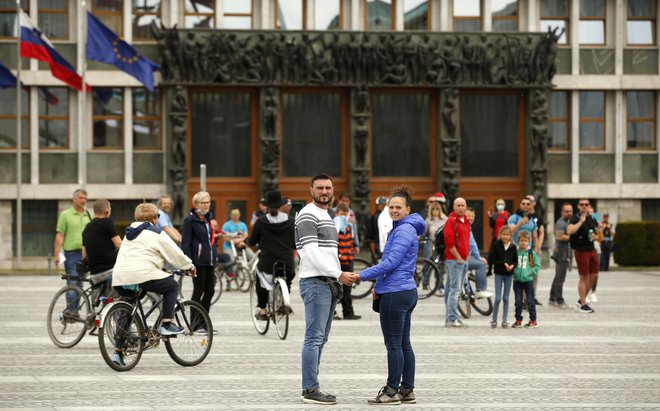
(497, 220)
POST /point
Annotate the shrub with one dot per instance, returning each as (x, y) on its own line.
(637, 243)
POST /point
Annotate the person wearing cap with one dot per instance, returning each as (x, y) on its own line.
(263, 208)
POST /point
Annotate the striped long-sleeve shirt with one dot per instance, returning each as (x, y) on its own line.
(316, 242)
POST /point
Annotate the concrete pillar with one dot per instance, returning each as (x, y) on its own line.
(486, 15)
(128, 135)
(34, 134)
(575, 136)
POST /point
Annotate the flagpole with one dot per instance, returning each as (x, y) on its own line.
(19, 143)
(82, 122)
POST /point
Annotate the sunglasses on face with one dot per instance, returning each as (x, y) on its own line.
(583, 204)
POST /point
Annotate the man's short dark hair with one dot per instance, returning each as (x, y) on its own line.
(345, 194)
(320, 177)
(564, 204)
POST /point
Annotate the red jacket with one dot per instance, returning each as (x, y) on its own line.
(452, 225)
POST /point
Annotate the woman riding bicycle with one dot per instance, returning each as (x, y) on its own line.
(143, 253)
(274, 233)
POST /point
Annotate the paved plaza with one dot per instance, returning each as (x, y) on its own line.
(604, 361)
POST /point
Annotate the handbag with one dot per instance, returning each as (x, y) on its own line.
(336, 288)
(375, 304)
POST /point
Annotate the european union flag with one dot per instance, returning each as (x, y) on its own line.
(106, 47)
(7, 78)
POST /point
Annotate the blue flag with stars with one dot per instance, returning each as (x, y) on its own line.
(104, 46)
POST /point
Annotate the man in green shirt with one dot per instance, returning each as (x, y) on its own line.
(68, 238)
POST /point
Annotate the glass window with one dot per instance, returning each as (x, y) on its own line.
(107, 118)
(8, 16)
(39, 220)
(54, 117)
(650, 209)
(289, 15)
(110, 12)
(592, 22)
(592, 120)
(145, 12)
(221, 134)
(237, 15)
(8, 118)
(54, 18)
(467, 15)
(558, 120)
(400, 135)
(327, 14)
(416, 15)
(379, 15)
(641, 120)
(555, 14)
(199, 14)
(146, 118)
(237, 7)
(314, 145)
(505, 15)
(640, 27)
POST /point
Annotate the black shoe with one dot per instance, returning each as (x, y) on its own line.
(118, 358)
(538, 303)
(316, 396)
(352, 317)
(336, 317)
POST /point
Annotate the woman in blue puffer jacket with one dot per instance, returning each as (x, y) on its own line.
(397, 291)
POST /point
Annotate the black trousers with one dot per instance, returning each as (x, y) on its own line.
(203, 286)
(168, 288)
(346, 300)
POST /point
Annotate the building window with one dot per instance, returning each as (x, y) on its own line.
(108, 118)
(8, 16)
(650, 209)
(640, 27)
(416, 15)
(592, 120)
(555, 14)
(592, 22)
(39, 220)
(379, 15)
(641, 120)
(505, 15)
(8, 114)
(237, 14)
(54, 19)
(145, 12)
(54, 117)
(147, 130)
(467, 15)
(327, 14)
(558, 120)
(110, 12)
(289, 14)
(199, 14)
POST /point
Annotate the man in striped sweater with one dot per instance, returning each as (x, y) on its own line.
(316, 242)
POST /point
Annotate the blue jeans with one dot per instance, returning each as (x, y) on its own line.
(72, 258)
(455, 273)
(481, 272)
(528, 287)
(395, 315)
(502, 291)
(319, 310)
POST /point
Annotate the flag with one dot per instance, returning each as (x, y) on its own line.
(35, 45)
(7, 78)
(105, 46)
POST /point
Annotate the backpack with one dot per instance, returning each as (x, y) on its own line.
(440, 241)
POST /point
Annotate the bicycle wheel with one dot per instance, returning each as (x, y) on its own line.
(122, 331)
(69, 316)
(260, 325)
(484, 306)
(361, 289)
(218, 273)
(280, 312)
(427, 275)
(191, 347)
(464, 305)
(245, 279)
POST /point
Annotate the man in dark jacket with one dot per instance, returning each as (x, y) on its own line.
(457, 249)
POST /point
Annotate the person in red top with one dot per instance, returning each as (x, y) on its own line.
(497, 220)
(457, 249)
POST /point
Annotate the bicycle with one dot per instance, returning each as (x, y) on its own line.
(468, 299)
(429, 273)
(123, 325)
(278, 307)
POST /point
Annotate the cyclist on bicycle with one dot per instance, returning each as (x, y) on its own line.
(143, 253)
(274, 233)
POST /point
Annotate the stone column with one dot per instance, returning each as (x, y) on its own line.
(270, 140)
(177, 151)
(538, 139)
(451, 144)
(359, 154)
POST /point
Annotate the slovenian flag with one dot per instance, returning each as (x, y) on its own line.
(35, 45)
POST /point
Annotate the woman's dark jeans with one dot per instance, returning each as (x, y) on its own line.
(395, 316)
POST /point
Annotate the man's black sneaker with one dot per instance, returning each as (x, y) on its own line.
(316, 396)
(352, 317)
(407, 396)
(585, 309)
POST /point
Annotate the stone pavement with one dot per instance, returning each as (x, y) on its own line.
(604, 361)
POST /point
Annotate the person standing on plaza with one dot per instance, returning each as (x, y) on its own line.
(583, 231)
(345, 199)
(434, 223)
(562, 256)
(346, 247)
(497, 220)
(396, 292)
(372, 235)
(100, 239)
(540, 237)
(522, 220)
(196, 245)
(523, 275)
(316, 243)
(165, 205)
(476, 262)
(68, 239)
(606, 240)
(503, 256)
(457, 250)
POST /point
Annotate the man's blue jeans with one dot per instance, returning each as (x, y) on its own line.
(395, 316)
(455, 273)
(319, 310)
(72, 258)
(481, 272)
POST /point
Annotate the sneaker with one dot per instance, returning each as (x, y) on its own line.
(70, 316)
(336, 317)
(386, 395)
(440, 292)
(170, 329)
(517, 324)
(585, 309)
(578, 304)
(562, 305)
(483, 294)
(531, 324)
(505, 324)
(593, 298)
(553, 303)
(316, 396)
(455, 324)
(352, 317)
(407, 396)
(425, 287)
(118, 358)
(260, 317)
(493, 324)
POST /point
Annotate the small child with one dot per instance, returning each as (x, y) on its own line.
(503, 258)
(523, 276)
(346, 248)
